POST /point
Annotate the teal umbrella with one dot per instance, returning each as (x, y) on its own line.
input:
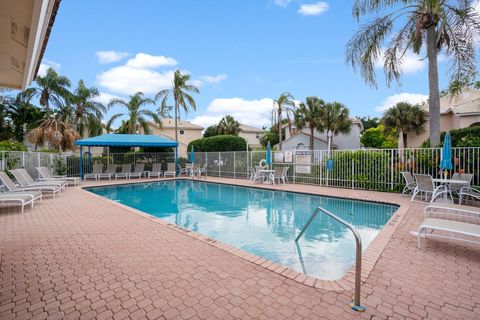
(268, 157)
(446, 161)
(192, 155)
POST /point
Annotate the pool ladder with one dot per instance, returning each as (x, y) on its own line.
(358, 254)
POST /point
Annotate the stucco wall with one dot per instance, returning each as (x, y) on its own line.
(183, 139)
(251, 137)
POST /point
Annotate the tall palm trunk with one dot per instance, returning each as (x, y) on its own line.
(279, 128)
(400, 145)
(176, 120)
(434, 92)
(312, 132)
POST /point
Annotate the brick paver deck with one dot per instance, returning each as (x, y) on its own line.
(81, 257)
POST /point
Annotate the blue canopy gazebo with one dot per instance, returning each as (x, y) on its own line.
(124, 140)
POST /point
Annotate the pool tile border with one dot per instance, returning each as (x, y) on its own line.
(370, 255)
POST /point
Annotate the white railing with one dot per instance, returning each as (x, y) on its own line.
(373, 169)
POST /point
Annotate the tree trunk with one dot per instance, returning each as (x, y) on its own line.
(312, 132)
(400, 145)
(279, 128)
(434, 91)
(176, 121)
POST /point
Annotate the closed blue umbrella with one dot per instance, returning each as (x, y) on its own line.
(446, 161)
(192, 155)
(268, 158)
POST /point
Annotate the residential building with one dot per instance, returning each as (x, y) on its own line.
(251, 134)
(300, 139)
(455, 113)
(187, 132)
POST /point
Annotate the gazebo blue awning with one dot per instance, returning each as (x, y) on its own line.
(127, 140)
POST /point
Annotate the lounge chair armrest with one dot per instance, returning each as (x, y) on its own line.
(60, 177)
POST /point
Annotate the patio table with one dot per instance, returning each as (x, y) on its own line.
(448, 182)
(266, 173)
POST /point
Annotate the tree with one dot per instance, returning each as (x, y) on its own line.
(229, 126)
(378, 138)
(137, 117)
(5, 125)
(24, 115)
(269, 136)
(368, 122)
(52, 89)
(285, 104)
(423, 26)
(210, 131)
(309, 114)
(87, 112)
(180, 91)
(336, 118)
(404, 117)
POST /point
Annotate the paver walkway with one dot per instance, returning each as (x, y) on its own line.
(80, 257)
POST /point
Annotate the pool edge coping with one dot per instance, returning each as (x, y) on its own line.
(370, 255)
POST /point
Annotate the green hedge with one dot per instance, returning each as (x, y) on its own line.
(9, 145)
(465, 137)
(218, 143)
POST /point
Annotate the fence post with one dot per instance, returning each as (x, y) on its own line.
(219, 166)
(353, 173)
(234, 162)
(38, 159)
(392, 155)
(206, 163)
(294, 165)
(23, 160)
(3, 161)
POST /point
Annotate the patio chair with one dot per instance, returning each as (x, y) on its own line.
(278, 174)
(426, 186)
(96, 170)
(156, 171)
(452, 209)
(410, 183)
(19, 198)
(12, 187)
(285, 174)
(182, 171)
(449, 229)
(26, 180)
(109, 172)
(199, 171)
(455, 187)
(468, 192)
(170, 170)
(125, 173)
(46, 175)
(257, 175)
(137, 171)
(251, 173)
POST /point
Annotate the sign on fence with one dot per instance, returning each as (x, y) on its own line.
(288, 156)
(302, 159)
(278, 156)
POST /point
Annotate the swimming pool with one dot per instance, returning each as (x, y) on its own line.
(262, 222)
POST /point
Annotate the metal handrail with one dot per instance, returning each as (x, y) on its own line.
(358, 261)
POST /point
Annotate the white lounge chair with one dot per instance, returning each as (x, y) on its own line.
(451, 209)
(96, 170)
(125, 173)
(448, 229)
(410, 183)
(170, 170)
(10, 185)
(46, 175)
(19, 198)
(109, 172)
(156, 171)
(138, 171)
(26, 180)
(425, 186)
(468, 192)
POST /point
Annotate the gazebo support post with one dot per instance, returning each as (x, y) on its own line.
(81, 163)
(89, 160)
(176, 161)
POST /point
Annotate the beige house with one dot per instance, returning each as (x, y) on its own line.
(251, 134)
(455, 113)
(187, 132)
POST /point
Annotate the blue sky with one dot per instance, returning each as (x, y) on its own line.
(240, 53)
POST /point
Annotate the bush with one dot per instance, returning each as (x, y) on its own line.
(9, 145)
(218, 143)
(379, 138)
(465, 137)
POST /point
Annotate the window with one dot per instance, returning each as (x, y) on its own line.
(182, 132)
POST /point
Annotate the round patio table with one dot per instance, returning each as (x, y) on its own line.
(448, 182)
(266, 173)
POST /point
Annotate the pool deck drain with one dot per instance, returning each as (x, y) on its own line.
(81, 256)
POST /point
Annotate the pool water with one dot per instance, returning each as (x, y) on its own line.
(262, 222)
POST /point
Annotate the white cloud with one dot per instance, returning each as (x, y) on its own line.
(213, 79)
(251, 112)
(411, 63)
(413, 98)
(110, 56)
(313, 9)
(127, 80)
(146, 61)
(42, 70)
(104, 98)
(282, 3)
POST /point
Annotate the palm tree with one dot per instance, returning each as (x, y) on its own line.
(52, 131)
(228, 125)
(309, 114)
(284, 104)
(432, 26)
(136, 114)
(108, 126)
(52, 89)
(404, 117)
(180, 92)
(87, 112)
(24, 115)
(335, 118)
